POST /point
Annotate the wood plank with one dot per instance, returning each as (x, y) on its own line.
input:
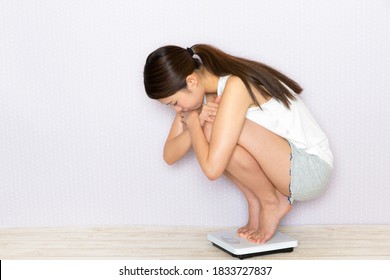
(175, 242)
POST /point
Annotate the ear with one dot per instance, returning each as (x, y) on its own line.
(192, 81)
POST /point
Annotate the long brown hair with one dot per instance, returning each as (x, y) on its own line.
(167, 67)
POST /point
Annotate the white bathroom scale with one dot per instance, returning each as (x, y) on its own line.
(241, 248)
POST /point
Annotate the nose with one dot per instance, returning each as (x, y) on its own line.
(177, 108)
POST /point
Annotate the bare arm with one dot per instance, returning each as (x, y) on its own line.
(179, 140)
(213, 157)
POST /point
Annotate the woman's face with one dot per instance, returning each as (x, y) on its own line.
(187, 99)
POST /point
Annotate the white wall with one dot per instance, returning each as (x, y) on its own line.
(81, 144)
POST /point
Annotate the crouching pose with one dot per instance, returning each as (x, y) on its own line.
(243, 119)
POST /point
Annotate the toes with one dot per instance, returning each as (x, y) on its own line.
(244, 232)
(254, 237)
(259, 237)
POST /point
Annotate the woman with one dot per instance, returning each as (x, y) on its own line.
(263, 137)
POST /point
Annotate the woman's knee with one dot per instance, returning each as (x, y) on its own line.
(241, 160)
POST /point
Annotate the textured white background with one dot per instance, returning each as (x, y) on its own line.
(81, 144)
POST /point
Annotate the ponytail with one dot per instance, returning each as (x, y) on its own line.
(166, 70)
(268, 81)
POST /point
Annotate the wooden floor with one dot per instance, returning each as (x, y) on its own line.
(315, 242)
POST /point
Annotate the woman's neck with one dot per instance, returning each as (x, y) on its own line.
(210, 81)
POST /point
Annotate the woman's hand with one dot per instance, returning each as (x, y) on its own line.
(208, 122)
(189, 117)
(208, 113)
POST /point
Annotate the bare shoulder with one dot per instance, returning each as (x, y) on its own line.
(234, 82)
(236, 88)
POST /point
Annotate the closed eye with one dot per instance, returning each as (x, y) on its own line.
(170, 103)
(174, 104)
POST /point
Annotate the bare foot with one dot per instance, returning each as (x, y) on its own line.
(246, 230)
(253, 219)
(269, 219)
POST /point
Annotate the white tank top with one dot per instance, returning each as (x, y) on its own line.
(296, 124)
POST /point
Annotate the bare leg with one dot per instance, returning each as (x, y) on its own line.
(242, 166)
(267, 201)
(253, 208)
(247, 175)
(272, 153)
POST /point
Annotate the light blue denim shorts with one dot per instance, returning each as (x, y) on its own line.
(309, 175)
